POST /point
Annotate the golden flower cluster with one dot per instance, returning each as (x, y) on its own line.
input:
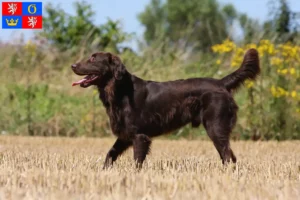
(283, 60)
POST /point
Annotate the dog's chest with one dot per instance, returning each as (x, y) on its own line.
(121, 120)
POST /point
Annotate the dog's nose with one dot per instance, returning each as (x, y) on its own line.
(74, 66)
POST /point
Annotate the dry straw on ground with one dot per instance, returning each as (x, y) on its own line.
(61, 168)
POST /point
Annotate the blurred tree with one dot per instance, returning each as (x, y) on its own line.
(252, 30)
(230, 13)
(194, 23)
(153, 18)
(69, 32)
(283, 18)
(283, 23)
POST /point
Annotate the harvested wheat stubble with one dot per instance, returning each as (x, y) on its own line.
(62, 168)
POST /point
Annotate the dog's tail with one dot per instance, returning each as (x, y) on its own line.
(249, 69)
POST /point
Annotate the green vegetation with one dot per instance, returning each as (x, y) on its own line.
(180, 41)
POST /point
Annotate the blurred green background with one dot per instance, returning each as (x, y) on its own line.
(180, 39)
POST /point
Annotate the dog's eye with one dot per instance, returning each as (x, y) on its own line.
(92, 59)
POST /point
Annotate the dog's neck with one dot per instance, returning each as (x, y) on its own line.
(112, 91)
(113, 96)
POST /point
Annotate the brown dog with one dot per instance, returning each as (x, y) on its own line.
(139, 109)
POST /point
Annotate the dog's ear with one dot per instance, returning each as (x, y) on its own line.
(117, 66)
(119, 71)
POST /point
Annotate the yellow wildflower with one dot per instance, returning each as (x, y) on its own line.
(271, 49)
(273, 90)
(266, 47)
(215, 48)
(278, 92)
(225, 47)
(249, 84)
(282, 71)
(289, 51)
(251, 46)
(218, 62)
(292, 71)
(229, 45)
(294, 94)
(238, 57)
(281, 91)
(276, 61)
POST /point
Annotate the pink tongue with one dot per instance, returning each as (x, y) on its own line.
(79, 82)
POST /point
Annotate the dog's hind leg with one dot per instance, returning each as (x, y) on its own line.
(222, 144)
(141, 147)
(219, 119)
(117, 149)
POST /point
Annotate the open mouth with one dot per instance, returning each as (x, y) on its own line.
(86, 81)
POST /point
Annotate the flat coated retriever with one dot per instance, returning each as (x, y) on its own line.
(140, 109)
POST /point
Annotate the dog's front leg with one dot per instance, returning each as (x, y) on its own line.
(117, 149)
(141, 147)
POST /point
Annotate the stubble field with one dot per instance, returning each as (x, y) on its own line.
(63, 168)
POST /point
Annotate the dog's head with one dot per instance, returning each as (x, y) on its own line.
(101, 66)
